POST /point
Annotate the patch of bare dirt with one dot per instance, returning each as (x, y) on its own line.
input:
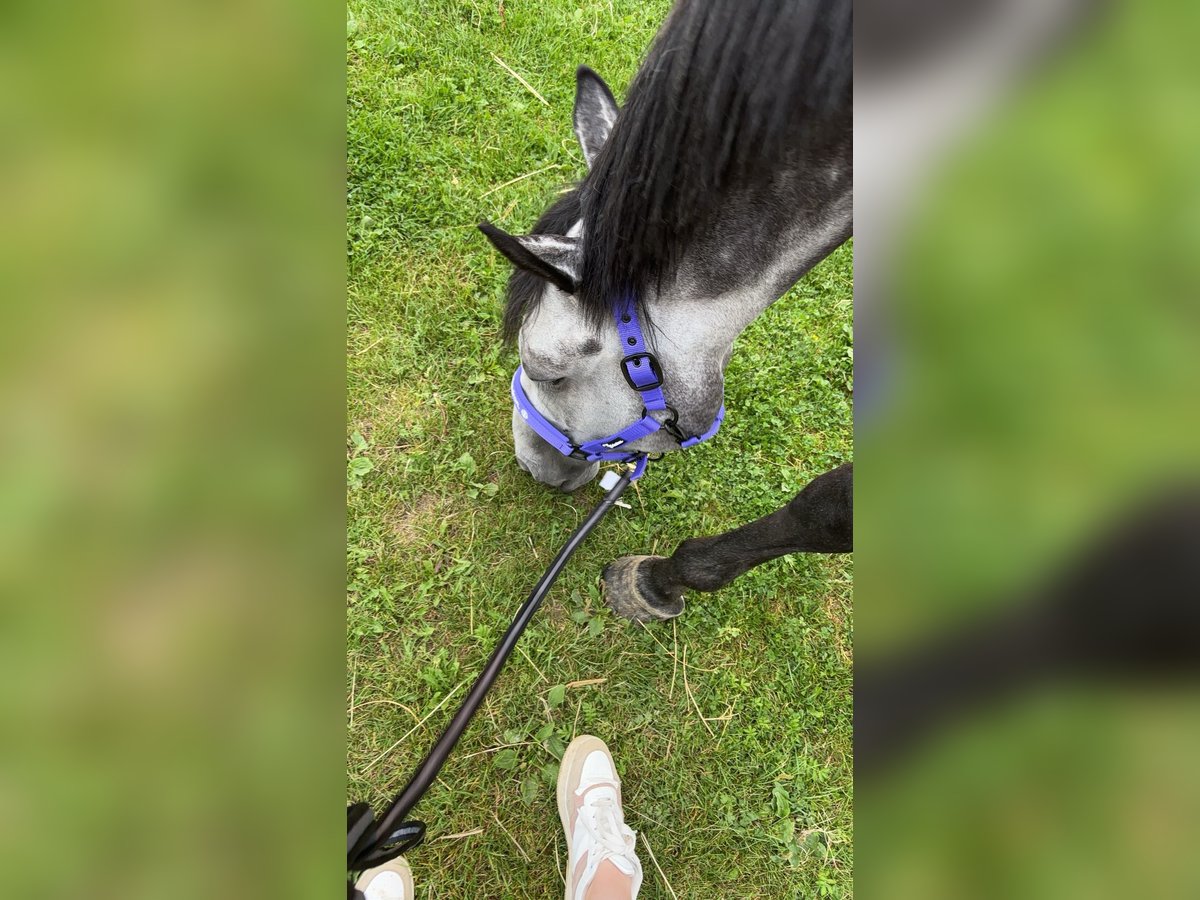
(410, 521)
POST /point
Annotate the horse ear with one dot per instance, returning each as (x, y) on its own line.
(595, 112)
(554, 257)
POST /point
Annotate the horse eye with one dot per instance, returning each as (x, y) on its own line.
(549, 382)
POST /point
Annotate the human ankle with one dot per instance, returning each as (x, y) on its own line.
(609, 883)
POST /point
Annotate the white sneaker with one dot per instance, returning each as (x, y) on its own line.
(589, 805)
(391, 881)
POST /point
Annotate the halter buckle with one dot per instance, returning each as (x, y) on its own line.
(634, 360)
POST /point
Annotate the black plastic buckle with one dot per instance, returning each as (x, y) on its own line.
(636, 360)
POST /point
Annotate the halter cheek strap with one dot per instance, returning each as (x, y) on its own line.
(642, 373)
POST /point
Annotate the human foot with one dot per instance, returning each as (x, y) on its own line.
(600, 846)
(391, 881)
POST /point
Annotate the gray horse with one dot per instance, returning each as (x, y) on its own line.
(726, 177)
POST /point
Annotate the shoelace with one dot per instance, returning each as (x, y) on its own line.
(611, 835)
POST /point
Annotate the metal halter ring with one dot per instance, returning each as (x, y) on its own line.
(670, 424)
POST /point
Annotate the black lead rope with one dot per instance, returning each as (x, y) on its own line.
(370, 844)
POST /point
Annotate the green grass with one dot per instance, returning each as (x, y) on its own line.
(446, 535)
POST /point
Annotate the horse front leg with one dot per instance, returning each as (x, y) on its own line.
(819, 519)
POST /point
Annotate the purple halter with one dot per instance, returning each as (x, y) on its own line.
(644, 374)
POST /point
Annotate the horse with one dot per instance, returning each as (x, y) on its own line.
(725, 177)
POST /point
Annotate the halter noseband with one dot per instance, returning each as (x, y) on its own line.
(644, 374)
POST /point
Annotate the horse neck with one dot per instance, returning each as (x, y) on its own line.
(767, 238)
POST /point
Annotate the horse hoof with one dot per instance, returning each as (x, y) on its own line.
(633, 600)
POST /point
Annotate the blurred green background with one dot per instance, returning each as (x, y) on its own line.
(1046, 379)
(171, 498)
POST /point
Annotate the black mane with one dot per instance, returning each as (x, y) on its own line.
(730, 93)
